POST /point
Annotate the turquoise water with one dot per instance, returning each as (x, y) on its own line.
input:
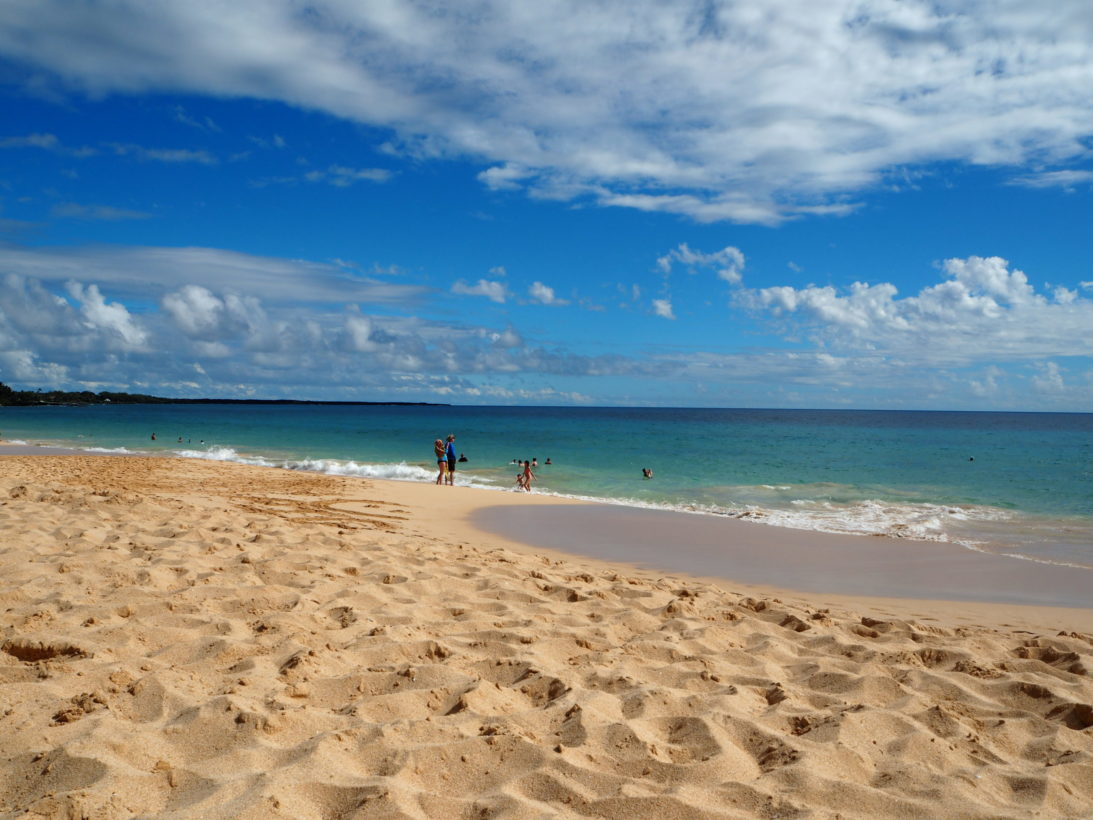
(1020, 483)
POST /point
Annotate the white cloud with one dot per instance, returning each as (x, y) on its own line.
(504, 178)
(170, 155)
(203, 316)
(718, 112)
(727, 262)
(157, 270)
(196, 310)
(988, 385)
(112, 317)
(342, 177)
(506, 338)
(663, 308)
(544, 295)
(1055, 179)
(1064, 296)
(47, 142)
(95, 213)
(1049, 378)
(983, 312)
(234, 343)
(22, 366)
(359, 331)
(494, 291)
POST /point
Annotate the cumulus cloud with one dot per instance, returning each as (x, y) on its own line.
(504, 178)
(359, 333)
(494, 291)
(982, 333)
(506, 338)
(982, 312)
(710, 110)
(544, 295)
(111, 317)
(663, 308)
(202, 315)
(1049, 378)
(987, 386)
(205, 341)
(50, 340)
(728, 262)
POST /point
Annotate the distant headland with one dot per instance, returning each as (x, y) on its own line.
(33, 398)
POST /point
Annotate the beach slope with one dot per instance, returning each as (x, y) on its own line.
(191, 639)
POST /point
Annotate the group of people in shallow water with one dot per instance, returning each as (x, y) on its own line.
(446, 460)
(526, 476)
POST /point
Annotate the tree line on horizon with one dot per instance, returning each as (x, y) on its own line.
(9, 397)
(15, 398)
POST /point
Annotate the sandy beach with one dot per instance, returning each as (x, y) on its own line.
(187, 639)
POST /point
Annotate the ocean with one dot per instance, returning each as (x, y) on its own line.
(1019, 484)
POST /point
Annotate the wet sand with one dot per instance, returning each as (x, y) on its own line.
(800, 560)
(9, 449)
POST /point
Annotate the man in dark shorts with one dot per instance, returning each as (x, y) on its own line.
(450, 451)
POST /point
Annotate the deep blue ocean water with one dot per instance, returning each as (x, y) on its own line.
(1019, 483)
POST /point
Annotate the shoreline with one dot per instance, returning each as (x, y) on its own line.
(991, 543)
(614, 536)
(188, 638)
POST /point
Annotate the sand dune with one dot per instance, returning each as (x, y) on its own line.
(188, 639)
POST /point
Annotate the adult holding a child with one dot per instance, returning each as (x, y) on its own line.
(441, 460)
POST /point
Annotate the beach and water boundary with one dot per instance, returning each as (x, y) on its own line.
(720, 548)
(1018, 484)
(189, 638)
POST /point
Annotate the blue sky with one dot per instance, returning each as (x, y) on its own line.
(788, 204)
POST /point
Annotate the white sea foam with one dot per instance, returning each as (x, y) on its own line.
(400, 471)
(218, 453)
(396, 472)
(921, 522)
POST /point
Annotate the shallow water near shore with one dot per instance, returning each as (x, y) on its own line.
(1019, 484)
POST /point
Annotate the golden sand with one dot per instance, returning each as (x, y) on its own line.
(189, 639)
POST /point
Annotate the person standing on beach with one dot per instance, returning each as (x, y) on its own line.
(450, 453)
(527, 476)
(441, 460)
